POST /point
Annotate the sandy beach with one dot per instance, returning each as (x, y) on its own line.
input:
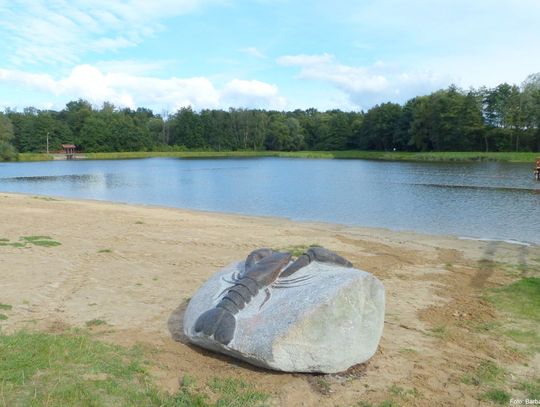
(135, 268)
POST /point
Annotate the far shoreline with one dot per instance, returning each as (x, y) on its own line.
(469, 156)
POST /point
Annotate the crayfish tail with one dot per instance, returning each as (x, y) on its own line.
(218, 322)
(225, 330)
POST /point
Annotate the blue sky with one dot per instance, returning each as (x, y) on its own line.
(279, 54)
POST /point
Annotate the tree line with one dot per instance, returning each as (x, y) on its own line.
(503, 118)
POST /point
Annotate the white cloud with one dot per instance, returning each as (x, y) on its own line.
(132, 66)
(253, 51)
(365, 85)
(305, 60)
(61, 31)
(112, 44)
(132, 90)
(252, 94)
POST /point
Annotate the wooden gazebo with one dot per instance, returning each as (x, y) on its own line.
(69, 150)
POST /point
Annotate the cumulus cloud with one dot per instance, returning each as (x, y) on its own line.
(365, 85)
(140, 67)
(61, 31)
(132, 90)
(253, 94)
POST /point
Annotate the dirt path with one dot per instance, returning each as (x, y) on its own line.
(132, 268)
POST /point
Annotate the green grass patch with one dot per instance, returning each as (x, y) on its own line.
(72, 369)
(232, 392)
(105, 251)
(521, 302)
(35, 238)
(139, 222)
(206, 154)
(496, 396)
(44, 241)
(225, 392)
(35, 157)
(95, 322)
(5, 307)
(297, 250)
(524, 336)
(440, 332)
(322, 385)
(402, 393)
(531, 389)
(3, 317)
(487, 372)
(521, 299)
(349, 154)
(486, 327)
(7, 242)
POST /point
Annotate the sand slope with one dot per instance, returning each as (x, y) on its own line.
(134, 267)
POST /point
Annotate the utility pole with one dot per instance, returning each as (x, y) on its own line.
(47, 143)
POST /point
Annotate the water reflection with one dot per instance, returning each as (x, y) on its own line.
(486, 200)
(86, 178)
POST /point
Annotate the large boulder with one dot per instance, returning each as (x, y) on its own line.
(322, 318)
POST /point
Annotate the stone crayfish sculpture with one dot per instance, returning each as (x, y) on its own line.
(314, 314)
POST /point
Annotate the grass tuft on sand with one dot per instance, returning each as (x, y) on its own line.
(497, 396)
(296, 250)
(24, 241)
(44, 241)
(531, 389)
(487, 372)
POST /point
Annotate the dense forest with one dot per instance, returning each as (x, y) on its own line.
(504, 118)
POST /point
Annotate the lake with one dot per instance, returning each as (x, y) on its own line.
(479, 200)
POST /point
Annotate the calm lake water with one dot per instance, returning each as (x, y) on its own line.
(481, 200)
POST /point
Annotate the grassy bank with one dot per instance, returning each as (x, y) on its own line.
(34, 157)
(350, 154)
(72, 369)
